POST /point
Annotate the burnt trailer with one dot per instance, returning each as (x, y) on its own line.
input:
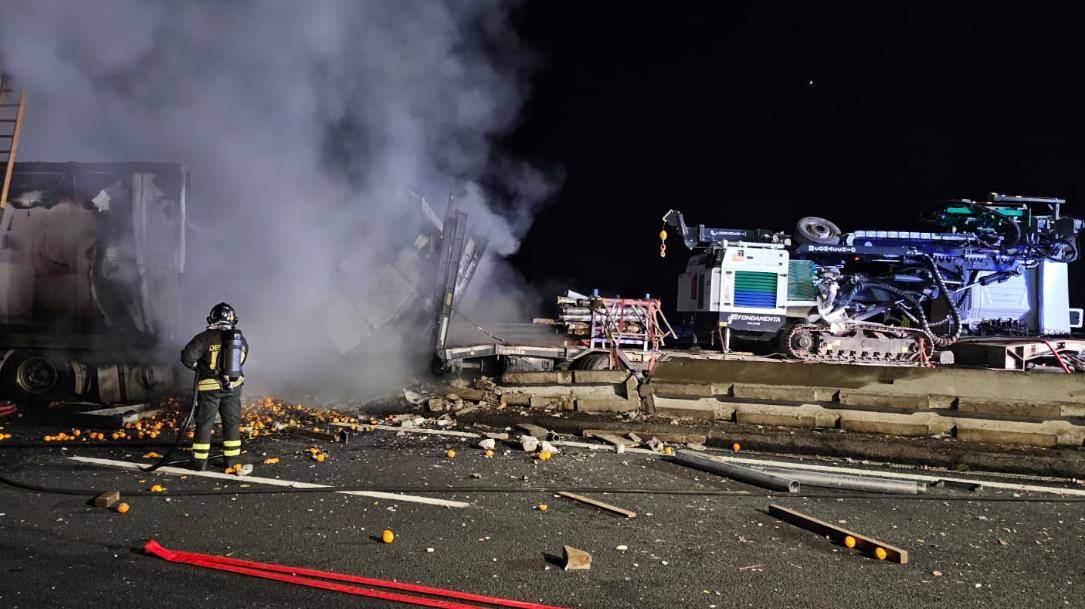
(91, 257)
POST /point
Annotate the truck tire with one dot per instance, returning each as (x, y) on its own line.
(29, 376)
(593, 361)
(820, 231)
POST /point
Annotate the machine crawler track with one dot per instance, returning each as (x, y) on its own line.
(859, 344)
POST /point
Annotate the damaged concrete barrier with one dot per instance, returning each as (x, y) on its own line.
(708, 409)
(1046, 434)
(895, 424)
(788, 393)
(808, 416)
(600, 377)
(558, 377)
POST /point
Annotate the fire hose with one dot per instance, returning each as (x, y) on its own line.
(319, 579)
(165, 460)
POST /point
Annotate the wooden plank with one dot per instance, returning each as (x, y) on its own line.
(435, 432)
(107, 499)
(533, 430)
(599, 504)
(680, 438)
(862, 542)
(611, 438)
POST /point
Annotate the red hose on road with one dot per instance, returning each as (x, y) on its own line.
(290, 575)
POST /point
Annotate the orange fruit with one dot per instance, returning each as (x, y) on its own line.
(667, 450)
(122, 507)
(736, 447)
(544, 455)
(271, 461)
(388, 536)
(320, 458)
(489, 453)
(880, 553)
(157, 488)
(849, 541)
(543, 507)
(451, 454)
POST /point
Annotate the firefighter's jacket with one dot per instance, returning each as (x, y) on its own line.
(202, 354)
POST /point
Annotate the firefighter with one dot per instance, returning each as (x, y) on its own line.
(216, 354)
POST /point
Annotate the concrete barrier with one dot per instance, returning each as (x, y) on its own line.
(707, 409)
(600, 377)
(783, 393)
(808, 416)
(1046, 434)
(895, 424)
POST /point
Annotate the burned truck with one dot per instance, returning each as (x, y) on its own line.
(91, 257)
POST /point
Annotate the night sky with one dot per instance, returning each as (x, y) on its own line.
(753, 116)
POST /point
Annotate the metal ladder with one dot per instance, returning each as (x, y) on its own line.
(11, 123)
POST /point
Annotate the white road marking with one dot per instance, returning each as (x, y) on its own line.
(273, 482)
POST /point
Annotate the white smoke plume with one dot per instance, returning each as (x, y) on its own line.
(299, 121)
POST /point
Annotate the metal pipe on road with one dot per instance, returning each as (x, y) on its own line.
(773, 481)
(852, 483)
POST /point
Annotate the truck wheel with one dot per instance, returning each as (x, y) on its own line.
(36, 377)
(594, 361)
(820, 231)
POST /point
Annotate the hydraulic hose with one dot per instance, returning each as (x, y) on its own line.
(165, 460)
(954, 314)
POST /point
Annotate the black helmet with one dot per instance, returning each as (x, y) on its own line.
(222, 312)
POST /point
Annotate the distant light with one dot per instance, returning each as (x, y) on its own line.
(811, 83)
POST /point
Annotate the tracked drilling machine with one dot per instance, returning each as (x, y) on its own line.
(996, 268)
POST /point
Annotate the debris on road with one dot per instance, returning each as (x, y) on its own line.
(776, 482)
(107, 499)
(487, 444)
(529, 443)
(575, 559)
(533, 430)
(599, 504)
(326, 580)
(878, 549)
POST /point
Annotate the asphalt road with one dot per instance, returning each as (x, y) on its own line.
(682, 551)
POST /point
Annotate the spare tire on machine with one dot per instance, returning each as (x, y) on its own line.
(820, 231)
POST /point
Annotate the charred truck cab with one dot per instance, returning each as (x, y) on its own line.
(91, 257)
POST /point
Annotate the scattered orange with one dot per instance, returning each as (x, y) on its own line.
(451, 454)
(544, 455)
(667, 450)
(388, 536)
(157, 488)
(736, 447)
(271, 461)
(849, 541)
(880, 553)
(320, 458)
(489, 453)
(543, 507)
(122, 507)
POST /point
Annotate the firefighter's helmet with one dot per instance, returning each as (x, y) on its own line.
(222, 312)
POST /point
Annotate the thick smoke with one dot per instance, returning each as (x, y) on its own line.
(302, 123)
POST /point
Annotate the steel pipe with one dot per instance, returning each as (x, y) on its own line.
(851, 483)
(776, 482)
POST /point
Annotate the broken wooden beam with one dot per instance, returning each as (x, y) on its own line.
(575, 559)
(599, 504)
(869, 545)
(107, 499)
(533, 430)
(638, 437)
